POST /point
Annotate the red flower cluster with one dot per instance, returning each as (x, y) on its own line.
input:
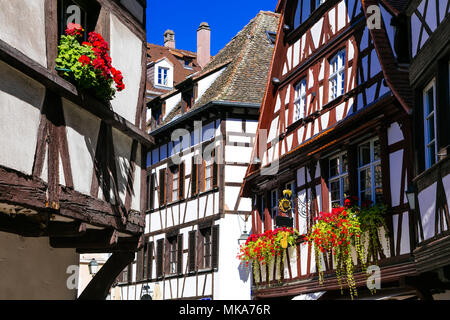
(74, 29)
(103, 61)
(333, 229)
(84, 60)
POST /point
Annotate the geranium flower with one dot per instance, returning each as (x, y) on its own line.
(74, 29)
(84, 60)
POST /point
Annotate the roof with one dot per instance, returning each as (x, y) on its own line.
(247, 58)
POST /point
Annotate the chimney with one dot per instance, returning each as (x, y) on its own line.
(203, 44)
(169, 39)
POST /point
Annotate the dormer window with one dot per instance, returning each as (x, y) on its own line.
(300, 100)
(188, 100)
(337, 75)
(163, 76)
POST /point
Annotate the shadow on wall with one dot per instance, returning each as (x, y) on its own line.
(20, 86)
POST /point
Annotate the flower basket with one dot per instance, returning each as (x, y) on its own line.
(348, 235)
(88, 64)
(267, 249)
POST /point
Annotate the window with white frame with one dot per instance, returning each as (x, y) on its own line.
(338, 180)
(209, 173)
(163, 76)
(337, 75)
(300, 100)
(175, 183)
(430, 132)
(370, 183)
(173, 249)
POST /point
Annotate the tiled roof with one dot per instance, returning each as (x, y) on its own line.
(247, 57)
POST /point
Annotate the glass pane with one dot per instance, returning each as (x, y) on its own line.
(344, 163)
(431, 129)
(346, 186)
(306, 9)
(335, 191)
(298, 12)
(365, 180)
(334, 167)
(430, 100)
(377, 150)
(364, 154)
(378, 176)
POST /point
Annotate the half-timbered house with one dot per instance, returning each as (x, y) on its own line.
(195, 215)
(72, 168)
(336, 121)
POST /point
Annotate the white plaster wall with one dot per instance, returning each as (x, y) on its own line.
(21, 100)
(235, 174)
(31, 270)
(126, 54)
(136, 195)
(23, 27)
(394, 133)
(172, 102)
(396, 164)
(233, 281)
(122, 152)
(82, 136)
(404, 241)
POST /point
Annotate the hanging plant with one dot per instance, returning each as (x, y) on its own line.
(337, 233)
(262, 249)
(88, 64)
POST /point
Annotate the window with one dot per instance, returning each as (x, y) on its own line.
(194, 177)
(337, 75)
(188, 99)
(339, 180)
(205, 250)
(163, 78)
(151, 191)
(369, 172)
(175, 183)
(274, 203)
(82, 12)
(300, 100)
(157, 115)
(172, 254)
(430, 134)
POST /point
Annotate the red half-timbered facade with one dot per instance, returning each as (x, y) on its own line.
(336, 121)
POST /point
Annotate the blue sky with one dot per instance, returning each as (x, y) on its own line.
(226, 19)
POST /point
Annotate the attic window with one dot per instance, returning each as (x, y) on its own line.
(272, 37)
(188, 100)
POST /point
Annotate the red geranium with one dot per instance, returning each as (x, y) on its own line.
(74, 29)
(85, 60)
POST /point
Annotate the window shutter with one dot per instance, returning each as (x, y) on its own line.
(192, 251)
(201, 177)
(150, 248)
(162, 187)
(215, 247)
(130, 273)
(200, 250)
(159, 258)
(151, 191)
(181, 181)
(194, 177)
(167, 257)
(169, 185)
(180, 254)
(215, 173)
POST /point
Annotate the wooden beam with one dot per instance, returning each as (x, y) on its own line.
(99, 286)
